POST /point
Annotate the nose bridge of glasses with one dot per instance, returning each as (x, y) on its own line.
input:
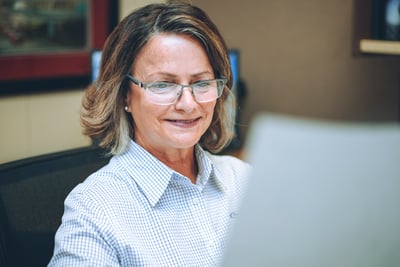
(183, 86)
(180, 92)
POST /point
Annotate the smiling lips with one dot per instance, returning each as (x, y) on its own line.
(186, 123)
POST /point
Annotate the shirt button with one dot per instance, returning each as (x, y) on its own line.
(211, 244)
(196, 201)
(233, 215)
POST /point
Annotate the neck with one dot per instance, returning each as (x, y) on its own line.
(186, 168)
(182, 161)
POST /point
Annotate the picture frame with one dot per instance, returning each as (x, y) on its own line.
(49, 69)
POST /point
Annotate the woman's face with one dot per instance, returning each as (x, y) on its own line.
(170, 58)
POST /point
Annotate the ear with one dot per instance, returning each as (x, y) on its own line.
(127, 100)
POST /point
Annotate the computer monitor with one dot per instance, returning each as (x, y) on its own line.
(234, 57)
(95, 60)
(321, 193)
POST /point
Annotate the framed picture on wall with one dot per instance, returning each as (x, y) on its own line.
(47, 39)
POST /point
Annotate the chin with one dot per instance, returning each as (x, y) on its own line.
(182, 143)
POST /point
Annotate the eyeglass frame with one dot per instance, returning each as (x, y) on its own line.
(144, 86)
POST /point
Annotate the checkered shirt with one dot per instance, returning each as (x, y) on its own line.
(136, 211)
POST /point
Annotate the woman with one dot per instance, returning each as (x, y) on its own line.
(161, 104)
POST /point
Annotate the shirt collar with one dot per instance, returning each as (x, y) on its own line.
(207, 169)
(150, 174)
(216, 171)
(153, 176)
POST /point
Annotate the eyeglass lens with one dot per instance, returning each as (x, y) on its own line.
(169, 93)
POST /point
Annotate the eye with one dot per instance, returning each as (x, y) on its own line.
(161, 87)
(203, 84)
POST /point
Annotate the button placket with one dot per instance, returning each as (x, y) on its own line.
(204, 222)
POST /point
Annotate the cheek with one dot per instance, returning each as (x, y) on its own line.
(147, 115)
(210, 109)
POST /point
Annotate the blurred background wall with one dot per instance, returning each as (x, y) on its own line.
(296, 58)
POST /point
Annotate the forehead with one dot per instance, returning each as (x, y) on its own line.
(173, 53)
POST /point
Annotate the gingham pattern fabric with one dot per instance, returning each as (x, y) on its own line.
(136, 211)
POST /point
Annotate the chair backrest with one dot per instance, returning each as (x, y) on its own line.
(32, 193)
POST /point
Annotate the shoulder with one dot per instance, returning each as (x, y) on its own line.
(232, 174)
(104, 183)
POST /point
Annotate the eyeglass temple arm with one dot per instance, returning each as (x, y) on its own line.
(134, 80)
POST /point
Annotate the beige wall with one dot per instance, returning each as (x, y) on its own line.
(126, 6)
(296, 58)
(40, 123)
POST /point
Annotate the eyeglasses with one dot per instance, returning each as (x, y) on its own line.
(165, 93)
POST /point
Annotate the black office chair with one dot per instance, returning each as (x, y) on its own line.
(32, 193)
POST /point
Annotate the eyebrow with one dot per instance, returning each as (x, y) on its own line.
(173, 76)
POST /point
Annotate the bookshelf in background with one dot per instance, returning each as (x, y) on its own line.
(372, 32)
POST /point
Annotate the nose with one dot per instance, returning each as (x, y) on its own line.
(186, 100)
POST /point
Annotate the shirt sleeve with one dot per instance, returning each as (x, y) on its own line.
(80, 239)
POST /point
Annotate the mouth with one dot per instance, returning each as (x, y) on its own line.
(184, 123)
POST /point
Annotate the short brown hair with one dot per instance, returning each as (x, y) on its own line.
(103, 117)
